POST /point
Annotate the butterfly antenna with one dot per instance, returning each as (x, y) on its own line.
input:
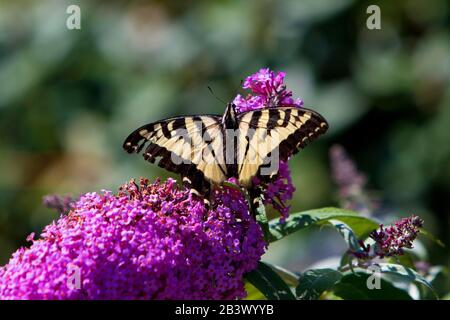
(214, 95)
(240, 85)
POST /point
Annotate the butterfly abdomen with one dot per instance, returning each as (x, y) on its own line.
(229, 119)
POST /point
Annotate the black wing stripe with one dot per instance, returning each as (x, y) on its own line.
(165, 129)
(274, 118)
(301, 137)
(195, 176)
(287, 117)
(179, 123)
(256, 115)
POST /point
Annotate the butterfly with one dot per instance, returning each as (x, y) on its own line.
(206, 150)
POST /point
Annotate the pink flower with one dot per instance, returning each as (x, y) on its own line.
(151, 241)
(391, 240)
(280, 191)
(267, 90)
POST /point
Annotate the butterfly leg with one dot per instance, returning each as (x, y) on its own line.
(195, 189)
(255, 194)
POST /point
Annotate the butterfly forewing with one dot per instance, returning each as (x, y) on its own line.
(273, 134)
(186, 145)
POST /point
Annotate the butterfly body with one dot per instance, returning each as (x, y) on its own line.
(209, 149)
(229, 119)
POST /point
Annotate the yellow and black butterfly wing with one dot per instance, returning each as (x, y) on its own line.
(191, 146)
(273, 134)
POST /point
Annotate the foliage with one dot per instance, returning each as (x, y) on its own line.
(349, 281)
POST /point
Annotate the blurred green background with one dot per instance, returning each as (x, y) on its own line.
(68, 98)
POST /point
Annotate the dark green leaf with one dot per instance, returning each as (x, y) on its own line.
(348, 235)
(347, 262)
(434, 272)
(266, 280)
(354, 287)
(401, 272)
(360, 225)
(313, 283)
(437, 276)
(288, 276)
(430, 236)
(261, 218)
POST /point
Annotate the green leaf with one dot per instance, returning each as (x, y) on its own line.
(437, 276)
(313, 283)
(232, 185)
(252, 292)
(430, 236)
(434, 272)
(348, 235)
(261, 218)
(266, 280)
(360, 225)
(289, 277)
(347, 262)
(354, 287)
(402, 272)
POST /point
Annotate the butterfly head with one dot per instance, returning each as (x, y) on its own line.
(229, 118)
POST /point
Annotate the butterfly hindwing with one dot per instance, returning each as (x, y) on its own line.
(273, 134)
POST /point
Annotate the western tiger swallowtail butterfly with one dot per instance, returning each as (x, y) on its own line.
(206, 150)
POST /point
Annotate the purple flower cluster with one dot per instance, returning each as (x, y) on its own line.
(351, 182)
(152, 241)
(279, 191)
(267, 90)
(391, 240)
(345, 173)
